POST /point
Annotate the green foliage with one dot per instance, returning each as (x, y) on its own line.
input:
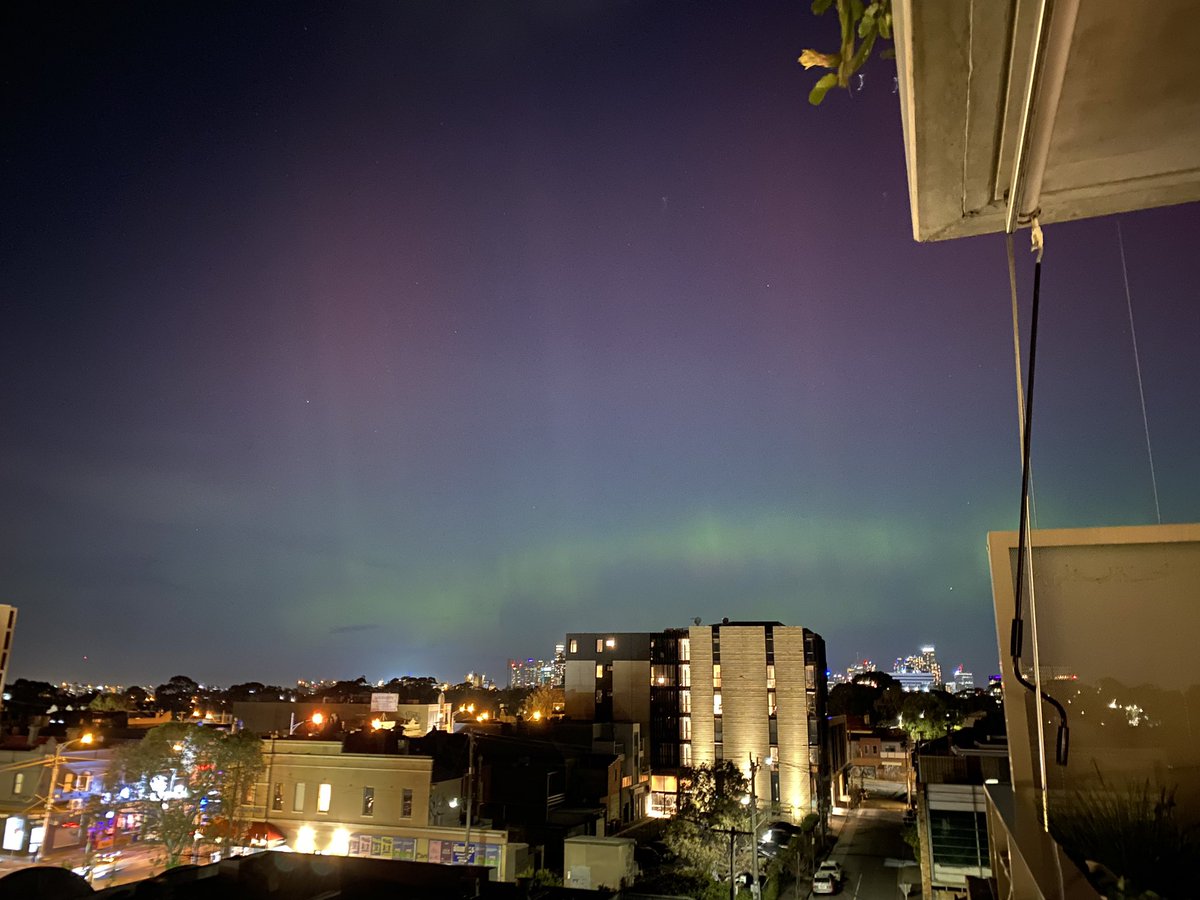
(912, 837)
(711, 799)
(216, 770)
(861, 26)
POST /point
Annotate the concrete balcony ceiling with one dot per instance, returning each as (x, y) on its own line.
(1112, 123)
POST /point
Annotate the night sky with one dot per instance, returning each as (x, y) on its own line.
(387, 338)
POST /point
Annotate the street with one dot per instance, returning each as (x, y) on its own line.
(871, 851)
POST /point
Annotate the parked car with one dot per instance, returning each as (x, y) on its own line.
(824, 883)
(832, 868)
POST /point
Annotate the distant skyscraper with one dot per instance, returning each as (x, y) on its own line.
(925, 661)
(963, 682)
(8, 623)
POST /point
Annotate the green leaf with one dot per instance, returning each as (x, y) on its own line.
(820, 6)
(885, 26)
(856, 10)
(821, 88)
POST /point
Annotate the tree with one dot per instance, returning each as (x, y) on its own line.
(540, 702)
(108, 703)
(184, 777)
(176, 695)
(710, 798)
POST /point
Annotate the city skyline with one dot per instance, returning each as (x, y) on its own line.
(378, 344)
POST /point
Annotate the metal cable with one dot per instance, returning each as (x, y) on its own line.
(1137, 363)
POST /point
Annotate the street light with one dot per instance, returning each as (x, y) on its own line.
(85, 739)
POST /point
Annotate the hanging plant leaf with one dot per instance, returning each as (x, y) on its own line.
(821, 88)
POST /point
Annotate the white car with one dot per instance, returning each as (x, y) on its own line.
(824, 883)
(832, 869)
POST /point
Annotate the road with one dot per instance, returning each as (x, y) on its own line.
(871, 852)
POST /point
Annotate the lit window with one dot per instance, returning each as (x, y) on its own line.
(599, 671)
(324, 792)
(685, 728)
(406, 803)
(685, 649)
(611, 643)
(84, 782)
(574, 645)
(770, 678)
(599, 645)
(717, 703)
(685, 701)
(68, 782)
(277, 796)
(685, 754)
(771, 707)
(717, 675)
(685, 675)
(298, 797)
(19, 783)
(368, 807)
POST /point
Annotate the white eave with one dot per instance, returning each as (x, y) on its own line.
(1112, 124)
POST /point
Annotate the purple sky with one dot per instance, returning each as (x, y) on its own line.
(404, 338)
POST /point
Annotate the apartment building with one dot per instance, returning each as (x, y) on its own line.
(739, 691)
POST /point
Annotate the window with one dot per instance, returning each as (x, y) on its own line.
(368, 807)
(685, 675)
(770, 678)
(298, 797)
(406, 803)
(717, 675)
(599, 671)
(685, 649)
(685, 728)
(574, 645)
(771, 707)
(662, 676)
(599, 645)
(810, 677)
(773, 730)
(19, 783)
(84, 782)
(324, 793)
(611, 643)
(717, 703)
(685, 701)
(277, 796)
(685, 754)
(68, 784)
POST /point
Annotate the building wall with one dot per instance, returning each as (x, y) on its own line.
(745, 722)
(8, 625)
(344, 829)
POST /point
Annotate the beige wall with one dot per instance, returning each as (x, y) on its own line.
(744, 691)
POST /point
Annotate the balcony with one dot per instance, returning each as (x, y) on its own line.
(1112, 623)
(1113, 123)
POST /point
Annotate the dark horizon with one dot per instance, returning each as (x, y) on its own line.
(405, 339)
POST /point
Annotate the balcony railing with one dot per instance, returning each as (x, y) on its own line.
(1112, 622)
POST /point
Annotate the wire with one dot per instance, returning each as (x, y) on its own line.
(1016, 645)
(1137, 363)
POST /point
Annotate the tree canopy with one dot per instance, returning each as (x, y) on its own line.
(184, 777)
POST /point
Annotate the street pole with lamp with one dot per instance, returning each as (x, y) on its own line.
(753, 827)
(58, 758)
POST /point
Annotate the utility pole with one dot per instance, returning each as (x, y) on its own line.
(49, 802)
(470, 783)
(754, 891)
(733, 833)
